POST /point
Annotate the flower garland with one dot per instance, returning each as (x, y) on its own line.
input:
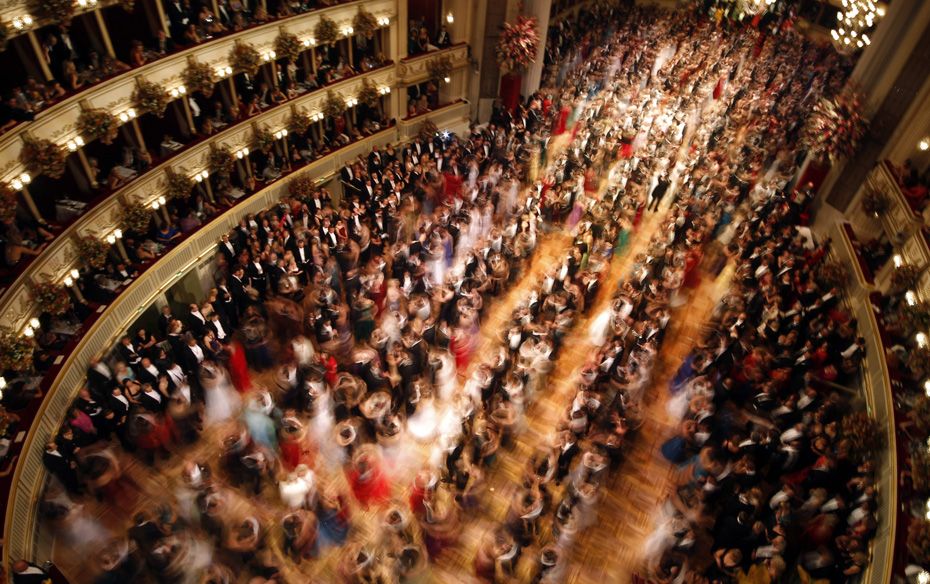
(862, 434)
(42, 157)
(178, 186)
(918, 540)
(93, 251)
(56, 11)
(51, 298)
(221, 161)
(334, 105)
(301, 187)
(439, 68)
(286, 46)
(264, 140)
(98, 124)
(16, 352)
(8, 203)
(833, 275)
(364, 23)
(369, 94)
(136, 217)
(920, 470)
(518, 44)
(915, 318)
(326, 31)
(918, 361)
(150, 98)
(245, 59)
(299, 123)
(199, 77)
(836, 127)
(874, 202)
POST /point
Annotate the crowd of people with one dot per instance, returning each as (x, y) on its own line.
(335, 367)
(75, 65)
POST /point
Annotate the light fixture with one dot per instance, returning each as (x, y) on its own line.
(348, 30)
(118, 233)
(853, 21)
(131, 112)
(2, 382)
(927, 391)
(16, 184)
(162, 200)
(205, 174)
(28, 332)
(155, 205)
(898, 260)
(223, 71)
(178, 91)
(34, 322)
(921, 339)
(124, 117)
(447, 79)
(245, 151)
(910, 297)
(111, 239)
(75, 273)
(21, 22)
(384, 21)
(269, 55)
(924, 145)
(449, 18)
(280, 134)
(384, 90)
(198, 177)
(69, 281)
(25, 178)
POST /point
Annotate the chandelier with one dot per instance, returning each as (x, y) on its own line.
(854, 21)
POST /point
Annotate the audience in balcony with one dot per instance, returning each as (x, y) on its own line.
(913, 184)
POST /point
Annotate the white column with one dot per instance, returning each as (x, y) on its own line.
(533, 75)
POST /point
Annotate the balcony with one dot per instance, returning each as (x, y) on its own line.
(416, 69)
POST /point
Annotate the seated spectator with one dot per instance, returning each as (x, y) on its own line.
(137, 54)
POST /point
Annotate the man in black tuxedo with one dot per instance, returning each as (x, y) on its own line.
(196, 321)
(228, 249)
(237, 288)
(27, 573)
(192, 355)
(164, 320)
(151, 399)
(148, 372)
(658, 193)
(62, 466)
(568, 449)
(127, 351)
(179, 16)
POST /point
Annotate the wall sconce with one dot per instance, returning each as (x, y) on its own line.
(118, 233)
(449, 18)
(447, 79)
(384, 21)
(921, 339)
(240, 154)
(86, 3)
(21, 22)
(75, 144)
(75, 274)
(34, 323)
(223, 72)
(351, 102)
(21, 181)
(178, 91)
(317, 117)
(269, 55)
(2, 386)
(280, 134)
(202, 175)
(348, 30)
(29, 332)
(384, 90)
(923, 146)
(127, 115)
(910, 297)
(68, 281)
(898, 260)
(111, 239)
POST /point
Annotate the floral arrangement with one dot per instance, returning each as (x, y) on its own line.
(245, 59)
(862, 434)
(98, 124)
(904, 277)
(179, 185)
(16, 352)
(836, 127)
(428, 130)
(920, 469)
(199, 77)
(918, 361)
(56, 11)
(286, 46)
(299, 124)
(150, 98)
(221, 161)
(301, 187)
(52, 298)
(918, 541)
(518, 44)
(264, 140)
(364, 23)
(369, 94)
(42, 157)
(8, 203)
(326, 31)
(93, 251)
(874, 202)
(136, 217)
(334, 105)
(833, 275)
(439, 68)
(915, 317)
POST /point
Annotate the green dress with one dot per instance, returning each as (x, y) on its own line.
(623, 238)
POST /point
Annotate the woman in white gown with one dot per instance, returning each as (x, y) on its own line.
(221, 400)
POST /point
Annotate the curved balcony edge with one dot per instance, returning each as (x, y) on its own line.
(58, 122)
(27, 480)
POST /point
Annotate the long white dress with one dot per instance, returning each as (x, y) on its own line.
(221, 400)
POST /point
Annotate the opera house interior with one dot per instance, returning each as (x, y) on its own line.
(465, 291)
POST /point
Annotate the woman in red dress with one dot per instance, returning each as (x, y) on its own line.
(562, 122)
(692, 274)
(239, 367)
(368, 481)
